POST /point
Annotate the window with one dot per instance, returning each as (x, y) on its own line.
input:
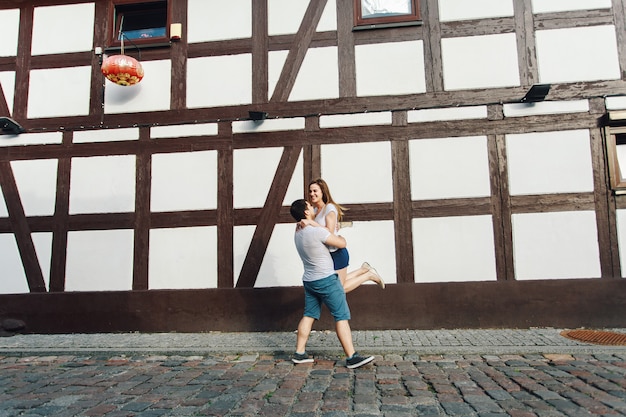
(139, 22)
(377, 13)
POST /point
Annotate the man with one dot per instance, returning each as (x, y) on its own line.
(321, 286)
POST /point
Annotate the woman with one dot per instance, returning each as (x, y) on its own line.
(328, 215)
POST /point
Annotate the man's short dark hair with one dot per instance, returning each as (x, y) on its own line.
(298, 208)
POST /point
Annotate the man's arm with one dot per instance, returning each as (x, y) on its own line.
(336, 241)
(307, 222)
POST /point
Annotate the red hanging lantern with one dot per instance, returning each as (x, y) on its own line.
(122, 70)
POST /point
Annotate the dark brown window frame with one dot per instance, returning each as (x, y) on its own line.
(115, 18)
(386, 21)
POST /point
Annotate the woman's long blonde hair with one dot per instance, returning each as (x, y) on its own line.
(327, 198)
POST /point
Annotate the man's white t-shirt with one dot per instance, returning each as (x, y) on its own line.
(314, 253)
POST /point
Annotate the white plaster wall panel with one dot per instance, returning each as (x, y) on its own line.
(449, 168)
(9, 31)
(615, 103)
(456, 113)
(555, 245)
(488, 61)
(285, 16)
(102, 184)
(219, 81)
(390, 68)
(251, 186)
(24, 139)
(3, 207)
(328, 20)
(451, 10)
(184, 181)
(358, 172)
(59, 92)
(281, 266)
(62, 29)
(242, 236)
(151, 94)
(43, 249)
(268, 125)
(218, 20)
(296, 189)
(549, 6)
(357, 119)
(182, 258)
(181, 131)
(106, 135)
(545, 107)
(372, 242)
(7, 81)
(13, 275)
(621, 239)
(467, 240)
(36, 182)
(318, 77)
(275, 62)
(549, 162)
(577, 54)
(99, 260)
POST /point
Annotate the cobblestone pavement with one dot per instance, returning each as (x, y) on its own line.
(89, 376)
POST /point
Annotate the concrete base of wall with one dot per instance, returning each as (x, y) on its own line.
(576, 303)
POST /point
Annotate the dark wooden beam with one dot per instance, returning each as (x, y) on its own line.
(225, 213)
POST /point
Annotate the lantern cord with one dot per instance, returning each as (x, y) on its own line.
(132, 43)
(121, 37)
(121, 34)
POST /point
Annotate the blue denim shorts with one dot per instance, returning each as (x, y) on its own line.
(327, 291)
(341, 258)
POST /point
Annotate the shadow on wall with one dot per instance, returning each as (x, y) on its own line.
(121, 95)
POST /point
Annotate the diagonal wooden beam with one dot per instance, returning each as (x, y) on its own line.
(298, 51)
(21, 229)
(268, 217)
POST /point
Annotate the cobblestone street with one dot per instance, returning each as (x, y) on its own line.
(491, 383)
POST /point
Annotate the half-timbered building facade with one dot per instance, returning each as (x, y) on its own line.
(477, 146)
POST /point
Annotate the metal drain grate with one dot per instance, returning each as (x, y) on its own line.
(598, 337)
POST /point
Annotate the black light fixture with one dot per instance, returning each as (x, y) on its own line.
(257, 115)
(10, 126)
(537, 92)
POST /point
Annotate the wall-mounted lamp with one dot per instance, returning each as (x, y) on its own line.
(257, 115)
(10, 126)
(176, 31)
(537, 92)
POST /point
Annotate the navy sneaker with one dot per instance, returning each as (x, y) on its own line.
(301, 358)
(355, 360)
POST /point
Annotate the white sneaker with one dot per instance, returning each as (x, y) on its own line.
(380, 281)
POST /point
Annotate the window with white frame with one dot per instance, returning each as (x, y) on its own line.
(376, 13)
